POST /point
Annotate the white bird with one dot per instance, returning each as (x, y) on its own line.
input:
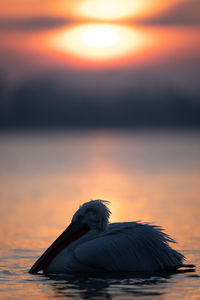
(91, 244)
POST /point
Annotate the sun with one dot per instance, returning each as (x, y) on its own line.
(100, 37)
(107, 9)
(98, 42)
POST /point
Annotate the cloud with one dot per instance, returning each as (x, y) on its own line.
(34, 23)
(185, 13)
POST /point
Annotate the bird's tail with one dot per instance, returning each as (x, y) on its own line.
(187, 266)
(183, 268)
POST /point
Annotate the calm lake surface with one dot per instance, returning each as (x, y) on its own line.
(45, 176)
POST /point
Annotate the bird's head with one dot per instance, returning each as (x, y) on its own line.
(94, 213)
(91, 215)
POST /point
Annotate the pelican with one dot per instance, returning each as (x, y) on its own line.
(91, 244)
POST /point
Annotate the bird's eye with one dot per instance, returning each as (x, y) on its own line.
(80, 218)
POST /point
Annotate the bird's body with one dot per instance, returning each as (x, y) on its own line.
(122, 247)
(90, 244)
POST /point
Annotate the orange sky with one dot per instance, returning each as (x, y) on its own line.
(85, 43)
(84, 8)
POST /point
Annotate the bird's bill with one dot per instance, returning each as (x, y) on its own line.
(71, 234)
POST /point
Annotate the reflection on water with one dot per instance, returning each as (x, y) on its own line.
(147, 176)
(17, 283)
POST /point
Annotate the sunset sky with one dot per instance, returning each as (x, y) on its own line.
(99, 62)
(110, 9)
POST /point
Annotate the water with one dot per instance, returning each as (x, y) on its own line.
(150, 176)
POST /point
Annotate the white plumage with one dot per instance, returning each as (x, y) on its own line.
(104, 247)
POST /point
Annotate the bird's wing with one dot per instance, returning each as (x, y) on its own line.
(129, 246)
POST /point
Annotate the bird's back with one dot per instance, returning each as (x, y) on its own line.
(131, 246)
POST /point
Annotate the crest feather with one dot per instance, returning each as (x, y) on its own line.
(95, 212)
